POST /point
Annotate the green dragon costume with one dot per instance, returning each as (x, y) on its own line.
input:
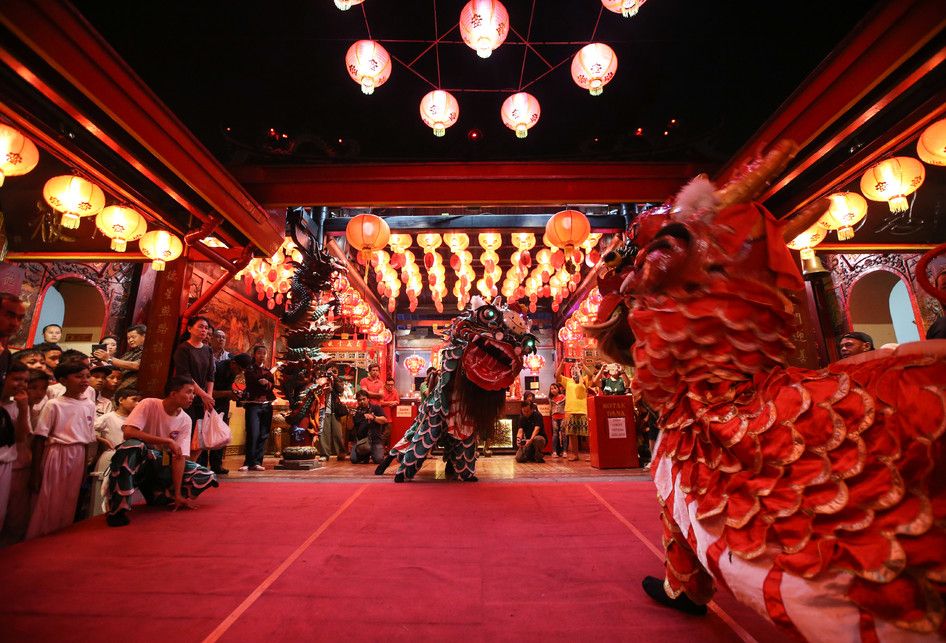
(483, 358)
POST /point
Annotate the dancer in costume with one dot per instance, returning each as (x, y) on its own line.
(484, 357)
(816, 497)
(153, 456)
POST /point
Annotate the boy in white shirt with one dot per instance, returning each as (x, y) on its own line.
(60, 438)
(108, 427)
(14, 425)
(157, 437)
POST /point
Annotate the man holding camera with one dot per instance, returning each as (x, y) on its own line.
(369, 421)
(530, 437)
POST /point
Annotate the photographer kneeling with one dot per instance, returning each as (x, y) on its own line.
(531, 424)
(369, 421)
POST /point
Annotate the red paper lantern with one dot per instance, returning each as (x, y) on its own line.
(892, 180)
(593, 67)
(439, 110)
(369, 64)
(520, 112)
(484, 25)
(567, 229)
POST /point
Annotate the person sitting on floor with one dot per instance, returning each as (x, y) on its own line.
(530, 437)
(369, 421)
(153, 457)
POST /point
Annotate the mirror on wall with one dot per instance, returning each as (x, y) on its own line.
(78, 307)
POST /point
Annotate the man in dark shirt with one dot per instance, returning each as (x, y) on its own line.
(224, 378)
(369, 421)
(258, 404)
(530, 438)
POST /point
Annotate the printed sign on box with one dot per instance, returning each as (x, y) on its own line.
(617, 428)
(403, 411)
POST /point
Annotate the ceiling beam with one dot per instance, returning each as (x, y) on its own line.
(599, 223)
(829, 106)
(58, 34)
(493, 183)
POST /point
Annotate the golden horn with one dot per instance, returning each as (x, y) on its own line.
(805, 219)
(748, 186)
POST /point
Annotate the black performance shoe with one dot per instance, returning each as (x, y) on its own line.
(388, 459)
(119, 519)
(654, 587)
(398, 477)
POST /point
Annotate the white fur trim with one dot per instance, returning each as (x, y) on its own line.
(698, 194)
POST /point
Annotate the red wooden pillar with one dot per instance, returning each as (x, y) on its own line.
(165, 308)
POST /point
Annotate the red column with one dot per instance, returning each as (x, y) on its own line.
(162, 321)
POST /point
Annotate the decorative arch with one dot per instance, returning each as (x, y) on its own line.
(106, 300)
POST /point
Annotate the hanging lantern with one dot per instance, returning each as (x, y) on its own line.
(369, 64)
(345, 5)
(627, 8)
(439, 110)
(490, 240)
(367, 233)
(846, 211)
(808, 240)
(892, 180)
(931, 147)
(18, 154)
(415, 364)
(593, 67)
(456, 241)
(121, 224)
(160, 246)
(429, 241)
(534, 362)
(567, 229)
(75, 197)
(484, 25)
(520, 112)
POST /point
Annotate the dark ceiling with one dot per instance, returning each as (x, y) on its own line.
(719, 68)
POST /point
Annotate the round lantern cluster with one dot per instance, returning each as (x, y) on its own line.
(359, 314)
(572, 332)
(272, 277)
(891, 180)
(484, 26)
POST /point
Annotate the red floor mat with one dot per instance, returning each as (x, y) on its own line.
(421, 561)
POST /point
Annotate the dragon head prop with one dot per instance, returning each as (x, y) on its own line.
(494, 339)
(707, 241)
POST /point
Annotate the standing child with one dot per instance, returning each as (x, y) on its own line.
(18, 511)
(97, 377)
(557, 402)
(14, 425)
(108, 428)
(60, 439)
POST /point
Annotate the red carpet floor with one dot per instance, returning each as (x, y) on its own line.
(362, 562)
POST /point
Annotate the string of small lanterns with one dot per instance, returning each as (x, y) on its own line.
(890, 180)
(484, 26)
(359, 314)
(76, 198)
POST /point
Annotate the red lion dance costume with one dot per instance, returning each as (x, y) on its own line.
(816, 497)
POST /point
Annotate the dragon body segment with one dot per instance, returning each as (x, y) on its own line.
(816, 496)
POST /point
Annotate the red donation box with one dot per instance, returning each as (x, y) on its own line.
(612, 434)
(401, 420)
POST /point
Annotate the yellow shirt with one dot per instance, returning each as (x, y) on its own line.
(576, 396)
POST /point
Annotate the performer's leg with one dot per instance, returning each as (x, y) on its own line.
(462, 455)
(412, 457)
(119, 484)
(687, 586)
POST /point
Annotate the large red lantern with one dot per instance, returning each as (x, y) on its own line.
(484, 25)
(567, 229)
(75, 197)
(439, 110)
(345, 5)
(627, 8)
(367, 233)
(931, 147)
(892, 180)
(369, 64)
(18, 154)
(593, 67)
(121, 224)
(520, 112)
